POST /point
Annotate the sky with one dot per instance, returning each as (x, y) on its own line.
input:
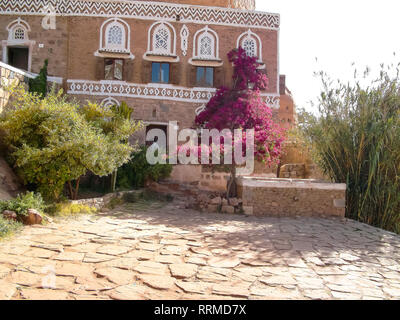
(337, 33)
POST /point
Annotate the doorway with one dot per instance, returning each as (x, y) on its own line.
(18, 57)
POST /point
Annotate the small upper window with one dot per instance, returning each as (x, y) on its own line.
(250, 46)
(18, 30)
(251, 43)
(205, 77)
(113, 69)
(205, 45)
(162, 40)
(114, 38)
(160, 72)
(19, 33)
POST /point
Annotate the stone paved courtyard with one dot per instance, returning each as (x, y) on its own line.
(167, 252)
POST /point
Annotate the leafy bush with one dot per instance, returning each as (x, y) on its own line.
(7, 227)
(131, 197)
(23, 202)
(115, 202)
(38, 85)
(53, 141)
(356, 140)
(137, 171)
(64, 209)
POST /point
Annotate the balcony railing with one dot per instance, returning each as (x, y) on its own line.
(154, 91)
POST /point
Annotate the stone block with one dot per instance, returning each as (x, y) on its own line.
(248, 210)
(213, 208)
(339, 203)
(228, 209)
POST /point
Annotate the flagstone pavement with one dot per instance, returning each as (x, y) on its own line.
(168, 252)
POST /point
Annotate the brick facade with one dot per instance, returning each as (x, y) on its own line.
(74, 50)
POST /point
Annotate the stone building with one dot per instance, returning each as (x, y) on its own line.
(164, 59)
(286, 114)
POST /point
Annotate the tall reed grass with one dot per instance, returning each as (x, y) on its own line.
(355, 139)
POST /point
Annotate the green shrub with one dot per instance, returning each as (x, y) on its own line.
(137, 171)
(130, 197)
(53, 141)
(115, 202)
(65, 209)
(356, 140)
(38, 85)
(7, 227)
(23, 202)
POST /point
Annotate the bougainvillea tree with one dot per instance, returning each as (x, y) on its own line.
(241, 106)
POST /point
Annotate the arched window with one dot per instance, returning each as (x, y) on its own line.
(114, 37)
(18, 30)
(161, 39)
(250, 46)
(251, 43)
(19, 33)
(206, 45)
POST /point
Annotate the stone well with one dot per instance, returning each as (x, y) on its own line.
(292, 197)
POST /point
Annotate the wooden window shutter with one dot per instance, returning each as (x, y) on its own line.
(219, 79)
(146, 74)
(175, 73)
(192, 76)
(128, 71)
(99, 69)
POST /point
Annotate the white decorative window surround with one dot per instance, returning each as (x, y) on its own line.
(161, 40)
(150, 91)
(18, 31)
(184, 39)
(18, 35)
(114, 38)
(109, 102)
(206, 46)
(251, 43)
(147, 11)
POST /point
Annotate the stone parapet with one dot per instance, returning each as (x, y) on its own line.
(291, 197)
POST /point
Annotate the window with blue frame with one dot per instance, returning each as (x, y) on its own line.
(205, 77)
(160, 72)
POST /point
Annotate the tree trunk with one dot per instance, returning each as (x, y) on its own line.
(77, 188)
(73, 192)
(232, 186)
(114, 180)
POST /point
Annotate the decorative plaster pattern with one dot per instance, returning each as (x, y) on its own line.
(145, 10)
(150, 91)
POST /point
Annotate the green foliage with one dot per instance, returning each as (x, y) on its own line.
(53, 141)
(356, 140)
(115, 202)
(38, 85)
(131, 197)
(137, 171)
(65, 209)
(8, 227)
(23, 202)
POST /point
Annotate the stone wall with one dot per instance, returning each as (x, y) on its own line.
(9, 77)
(285, 197)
